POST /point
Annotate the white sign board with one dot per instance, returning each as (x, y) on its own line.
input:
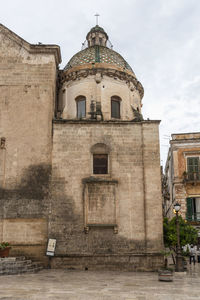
(51, 247)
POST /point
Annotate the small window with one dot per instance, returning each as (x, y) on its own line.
(81, 107)
(115, 107)
(100, 163)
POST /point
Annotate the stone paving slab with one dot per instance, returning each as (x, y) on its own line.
(91, 285)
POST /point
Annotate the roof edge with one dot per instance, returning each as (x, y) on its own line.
(33, 48)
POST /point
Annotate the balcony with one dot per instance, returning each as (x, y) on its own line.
(193, 177)
(195, 217)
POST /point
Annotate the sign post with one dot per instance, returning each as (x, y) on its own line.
(51, 246)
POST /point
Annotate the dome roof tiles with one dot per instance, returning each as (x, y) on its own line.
(98, 54)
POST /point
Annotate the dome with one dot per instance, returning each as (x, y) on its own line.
(98, 54)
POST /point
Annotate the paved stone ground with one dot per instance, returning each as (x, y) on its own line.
(89, 285)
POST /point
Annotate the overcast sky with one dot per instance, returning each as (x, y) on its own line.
(160, 39)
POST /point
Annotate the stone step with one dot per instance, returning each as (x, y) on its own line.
(18, 265)
(11, 259)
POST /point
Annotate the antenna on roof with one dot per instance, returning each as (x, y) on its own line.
(97, 15)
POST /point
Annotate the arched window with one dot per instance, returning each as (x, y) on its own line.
(100, 158)
(115, 107)
(81, 107)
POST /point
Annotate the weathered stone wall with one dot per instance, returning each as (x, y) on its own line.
(27, 99)
(152, 186)
(137, 199)
(183, 145)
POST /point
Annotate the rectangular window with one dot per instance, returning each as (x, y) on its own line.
(100, 163)
(81, 109)
(193, 168)
(115, 109)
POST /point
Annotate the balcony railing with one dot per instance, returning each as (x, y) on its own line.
(195, 176)
(195, 217)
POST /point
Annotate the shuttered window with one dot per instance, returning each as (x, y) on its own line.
(192, 167)
(193, 209)
(193, 164)
(190, 209)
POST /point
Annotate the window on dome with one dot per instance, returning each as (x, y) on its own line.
(115, 107)
(81, 107)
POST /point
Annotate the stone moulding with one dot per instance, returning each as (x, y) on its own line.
(102, 69)
(96, 203)
(92, 179)
(108, 122)
(114, 226)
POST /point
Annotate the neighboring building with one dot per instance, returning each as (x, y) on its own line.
(77, 161)
(182, 177)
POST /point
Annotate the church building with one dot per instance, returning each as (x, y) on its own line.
(78, 163)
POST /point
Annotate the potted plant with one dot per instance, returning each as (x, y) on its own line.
(4, 249)
(165, 273)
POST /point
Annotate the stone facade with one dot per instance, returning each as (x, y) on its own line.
(48, 184)
(182, 173)
(115, 213)
(27, 99)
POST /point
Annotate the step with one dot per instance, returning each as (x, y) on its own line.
(18, 265)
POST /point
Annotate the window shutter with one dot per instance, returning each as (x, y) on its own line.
(189, 209)
(115, 109)
(193, 164)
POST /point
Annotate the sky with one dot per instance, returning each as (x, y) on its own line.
(160, 39)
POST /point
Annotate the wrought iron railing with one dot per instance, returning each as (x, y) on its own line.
(193, 176)
(85, 45)
(193, 217)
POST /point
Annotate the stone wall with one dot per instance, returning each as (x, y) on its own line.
(27, 100)
(136, 198)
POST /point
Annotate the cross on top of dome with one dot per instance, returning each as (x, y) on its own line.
(97, 35)
(97, 15)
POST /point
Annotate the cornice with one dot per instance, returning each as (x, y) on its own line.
(32, 48)
(105, 122)
(76, 73)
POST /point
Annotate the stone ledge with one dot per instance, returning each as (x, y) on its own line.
(105, 122)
